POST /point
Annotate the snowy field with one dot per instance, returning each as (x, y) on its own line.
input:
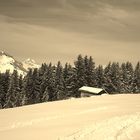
(115, 117)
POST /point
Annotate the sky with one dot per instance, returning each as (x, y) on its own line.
(53, 30)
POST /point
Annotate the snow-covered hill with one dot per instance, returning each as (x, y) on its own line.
(115, 117)
(8, 62)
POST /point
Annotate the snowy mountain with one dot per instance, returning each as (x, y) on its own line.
(30, 63)
(8, 62)
(109, 117)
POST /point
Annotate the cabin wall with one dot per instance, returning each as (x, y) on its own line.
(85, 94)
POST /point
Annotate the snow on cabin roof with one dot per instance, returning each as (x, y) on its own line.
(91, 89)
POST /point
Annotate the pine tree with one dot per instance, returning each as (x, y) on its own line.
(13, 95)
(59, 82)
(48, 89)
(4, 85)
(86, 71)
(2, 93)
(1, 96)
(115, 77)
(27, 90)
(79, 75)
(45, 96)
(136, 81)
(90, 76)
(130, 76)
(123, 76)
(20, 83)
(100, 76)
(107, 78)
(6, 81)
(51, 85)
(36, 86)
(32, 88)
(127, 77)
(68, 80)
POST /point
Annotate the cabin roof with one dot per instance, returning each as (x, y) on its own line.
(91, 89)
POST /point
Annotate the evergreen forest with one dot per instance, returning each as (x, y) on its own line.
(59, 82)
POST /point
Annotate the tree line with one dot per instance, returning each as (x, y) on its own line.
(57, 82)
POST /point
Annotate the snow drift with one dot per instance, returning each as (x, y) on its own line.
(115, 117)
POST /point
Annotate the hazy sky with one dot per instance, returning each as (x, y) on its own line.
(52, 30)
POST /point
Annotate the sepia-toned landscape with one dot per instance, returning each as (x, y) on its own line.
(69, 69)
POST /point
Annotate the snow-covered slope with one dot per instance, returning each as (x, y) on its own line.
(115, 117)
(7, 62)
(30, 63)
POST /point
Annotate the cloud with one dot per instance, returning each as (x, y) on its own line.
(105, 19)
(47, 44)
(74, 26)
(124, 4)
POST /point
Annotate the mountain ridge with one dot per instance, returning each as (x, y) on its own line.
(8, 62)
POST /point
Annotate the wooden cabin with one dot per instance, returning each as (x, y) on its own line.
(91, 91)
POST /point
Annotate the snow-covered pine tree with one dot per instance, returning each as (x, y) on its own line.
(43, 69)
(4, 85)
(36, 86)
(44, 74)
(123, 75)
(115, 77)
(68, 80)
(127, 77)
(45, 96)
(86, 69)
(90, 72)
(13, 96)
(1, 96)
(136, 80)
(27, 90)
(107, 78)
(20, 83)
(130, 76)
(6, 81)
(51, 84)
(31, 87)
(79, 75)
(59, 82)
(48, 88)
(100, 76)
(2, 93)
